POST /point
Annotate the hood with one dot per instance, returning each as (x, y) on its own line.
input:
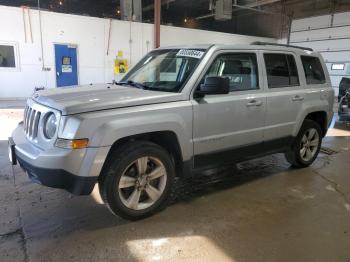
(74, 100)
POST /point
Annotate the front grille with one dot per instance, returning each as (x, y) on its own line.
(31, 122)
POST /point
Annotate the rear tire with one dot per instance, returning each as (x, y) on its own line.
(306, 145)
(137, 180)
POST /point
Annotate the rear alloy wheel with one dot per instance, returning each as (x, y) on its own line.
(306, 145)
(138, 179)
(309, 144)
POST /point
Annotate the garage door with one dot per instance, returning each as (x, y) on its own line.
(329, 35)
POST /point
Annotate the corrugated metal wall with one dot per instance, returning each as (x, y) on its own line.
(329, 35)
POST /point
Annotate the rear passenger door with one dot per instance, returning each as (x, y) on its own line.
(285, 97)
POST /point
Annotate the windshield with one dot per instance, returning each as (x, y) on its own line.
(164, 70)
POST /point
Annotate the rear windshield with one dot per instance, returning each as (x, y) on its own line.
(313, 70)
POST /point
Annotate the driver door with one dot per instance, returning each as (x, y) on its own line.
(230, 126)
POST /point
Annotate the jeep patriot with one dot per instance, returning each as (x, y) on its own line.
(177, 111)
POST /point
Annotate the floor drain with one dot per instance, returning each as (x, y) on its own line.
(328, 151)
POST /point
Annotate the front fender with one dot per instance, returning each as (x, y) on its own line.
(105, 128)
(111, 132)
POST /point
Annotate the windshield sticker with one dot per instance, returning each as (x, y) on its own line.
(190, 53)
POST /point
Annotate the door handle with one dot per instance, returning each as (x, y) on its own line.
(254, 103)
(298, 98)
(58, 73)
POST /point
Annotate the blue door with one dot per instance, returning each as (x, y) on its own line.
(66, 65)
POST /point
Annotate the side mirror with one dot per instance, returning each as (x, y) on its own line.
(214, 85)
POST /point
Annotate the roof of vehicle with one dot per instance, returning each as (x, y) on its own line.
(253, 46)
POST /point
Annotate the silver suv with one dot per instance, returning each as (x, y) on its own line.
(179, 110)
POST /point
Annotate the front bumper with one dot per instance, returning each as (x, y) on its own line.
(57, 168)
(59, 178)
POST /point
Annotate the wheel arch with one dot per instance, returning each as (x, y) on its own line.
(166, 139)
(320, 117)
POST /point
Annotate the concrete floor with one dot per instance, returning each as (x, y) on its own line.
(260, 210)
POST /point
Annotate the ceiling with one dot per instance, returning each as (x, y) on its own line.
(269, 18)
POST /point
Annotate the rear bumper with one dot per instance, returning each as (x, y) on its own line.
(58, 178)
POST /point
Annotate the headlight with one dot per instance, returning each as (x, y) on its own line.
(50, 125)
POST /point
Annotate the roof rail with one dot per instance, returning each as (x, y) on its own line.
(274, 44)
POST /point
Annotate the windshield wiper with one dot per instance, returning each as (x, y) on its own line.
(134, 84)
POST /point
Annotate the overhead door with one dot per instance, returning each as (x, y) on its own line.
(329, 35)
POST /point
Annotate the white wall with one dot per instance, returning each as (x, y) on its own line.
(91, 36)
(179, 36)
(328, 35)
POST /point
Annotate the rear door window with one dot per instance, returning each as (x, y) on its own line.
(281, 70)
(313, 70)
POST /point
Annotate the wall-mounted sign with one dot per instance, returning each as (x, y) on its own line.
(67, 69)
(338, 66)
(120, 66)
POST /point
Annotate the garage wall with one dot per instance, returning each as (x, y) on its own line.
(330, 35)
(91, 36)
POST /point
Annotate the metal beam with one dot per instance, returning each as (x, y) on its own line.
(256, 6)
(204, 16)
(151, 6)
(250, 7)
(261, 3)
(157, 9)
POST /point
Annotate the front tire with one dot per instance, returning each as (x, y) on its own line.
(137, 181)
(306, 145)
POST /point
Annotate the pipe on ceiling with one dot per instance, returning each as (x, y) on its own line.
(41, 38)
(24, 24)
(30, 25)
(109, 35)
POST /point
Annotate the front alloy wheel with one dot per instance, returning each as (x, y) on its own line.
(142, 183)
(137, 180)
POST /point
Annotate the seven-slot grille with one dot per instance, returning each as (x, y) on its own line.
(31, 122)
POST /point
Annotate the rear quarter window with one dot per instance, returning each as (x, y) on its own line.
(313, 70)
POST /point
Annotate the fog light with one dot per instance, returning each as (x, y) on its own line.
(72, 143)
